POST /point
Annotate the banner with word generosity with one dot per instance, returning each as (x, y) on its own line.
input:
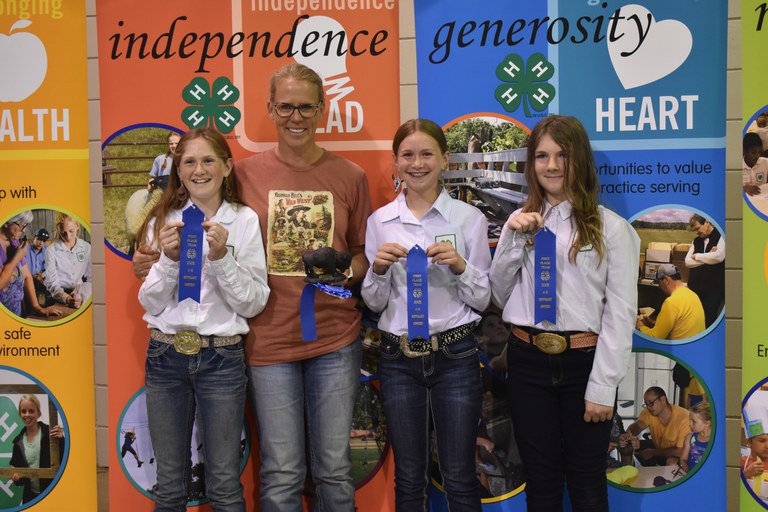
(754, 377)
(47, 446)
(167, 67)
(647, 80)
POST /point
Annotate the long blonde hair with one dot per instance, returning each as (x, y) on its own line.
(579, 182)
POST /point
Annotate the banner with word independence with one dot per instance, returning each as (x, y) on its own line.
(754, 376)
(170, 66)
(47, 446)
(647, 80)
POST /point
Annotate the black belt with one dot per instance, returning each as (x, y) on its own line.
(421, 347)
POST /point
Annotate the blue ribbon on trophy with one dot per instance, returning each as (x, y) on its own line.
(191, 254)
(418, 294)
(332, 264)
(545, 276)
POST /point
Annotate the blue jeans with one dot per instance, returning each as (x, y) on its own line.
(546, 398)
(321, 392)
(446, 385)
(214, 382)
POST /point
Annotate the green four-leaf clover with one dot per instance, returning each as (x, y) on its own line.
(525, 83)
(211, 105)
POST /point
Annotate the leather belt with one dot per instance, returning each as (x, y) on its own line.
(555, 342)
(420, 347)
(190, 342)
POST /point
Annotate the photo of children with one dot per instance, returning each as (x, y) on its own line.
(755, 164)
(663, 426)
(754, 445)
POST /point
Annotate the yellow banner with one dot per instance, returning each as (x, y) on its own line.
(47, 446)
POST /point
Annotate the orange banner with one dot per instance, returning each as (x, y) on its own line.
(165, 68)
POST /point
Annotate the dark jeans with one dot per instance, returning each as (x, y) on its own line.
(447, 385)
(211, 383)
(546, 396)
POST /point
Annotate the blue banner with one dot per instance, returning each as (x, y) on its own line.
(647, 80)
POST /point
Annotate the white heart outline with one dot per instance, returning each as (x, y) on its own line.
(666, 46)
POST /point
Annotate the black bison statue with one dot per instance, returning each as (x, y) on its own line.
(326, 265)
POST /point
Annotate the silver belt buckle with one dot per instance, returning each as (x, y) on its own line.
(405, 347)
(187, 342)
(550, 343)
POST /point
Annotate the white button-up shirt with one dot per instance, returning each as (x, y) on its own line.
(452, 298)
(232, 289)
(68, 268)
(595, 296)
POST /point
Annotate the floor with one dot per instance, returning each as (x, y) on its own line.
(102, 484)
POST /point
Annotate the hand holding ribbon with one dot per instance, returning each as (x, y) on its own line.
(444, 253)
(217, 236)
(387, 255)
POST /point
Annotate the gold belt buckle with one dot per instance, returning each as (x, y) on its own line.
(550, 343)
(405, 348)
(187, 342)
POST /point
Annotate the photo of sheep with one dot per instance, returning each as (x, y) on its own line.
(135, 166)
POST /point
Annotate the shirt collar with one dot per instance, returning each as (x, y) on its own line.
(398, 209)
(563, 209)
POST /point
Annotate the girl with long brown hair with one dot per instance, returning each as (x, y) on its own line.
(564, 367)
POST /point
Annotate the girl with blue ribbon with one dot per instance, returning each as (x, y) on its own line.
(565, 361)
(428, 299)
(195, 363)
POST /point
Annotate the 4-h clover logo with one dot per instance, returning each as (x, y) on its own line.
(211, 105)
(525, 83)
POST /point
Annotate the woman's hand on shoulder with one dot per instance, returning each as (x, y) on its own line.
(387, 255)
(170, 239)
(217, 236)
(443, 253)
(596, 413)
(525, 222)
(143, 259)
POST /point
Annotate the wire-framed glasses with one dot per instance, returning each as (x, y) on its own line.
(306, 110)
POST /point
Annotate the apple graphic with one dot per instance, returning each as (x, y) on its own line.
(24, 62)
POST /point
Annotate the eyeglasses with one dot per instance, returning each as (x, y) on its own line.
(650, 403)
(21, 226)
(306, 110)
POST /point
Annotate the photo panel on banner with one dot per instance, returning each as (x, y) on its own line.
(489, 72)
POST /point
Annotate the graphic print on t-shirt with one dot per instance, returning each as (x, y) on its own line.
(298, 221)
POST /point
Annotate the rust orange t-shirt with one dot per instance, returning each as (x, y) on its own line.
(301, 209)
